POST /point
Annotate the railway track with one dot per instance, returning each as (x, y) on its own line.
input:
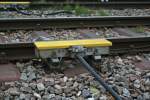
(72, 22)
(28, 50)
(88, 3)
(120, 45)
(97, 3)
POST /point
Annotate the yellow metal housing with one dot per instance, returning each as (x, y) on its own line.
(44, 45)
(14, 2)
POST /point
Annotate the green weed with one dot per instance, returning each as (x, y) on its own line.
(68, 8)
(139, 29)
(102, 12)
(80, 10)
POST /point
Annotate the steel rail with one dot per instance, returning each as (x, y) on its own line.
(112, 5)
(72, 22)
(134, 3)
(130, 45)
(96, 3)
(91, 0)
(14, 51)
(116, 4)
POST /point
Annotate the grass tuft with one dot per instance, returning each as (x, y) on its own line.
(80, 10)
(139, 29)
(68, 8)
(102, 12)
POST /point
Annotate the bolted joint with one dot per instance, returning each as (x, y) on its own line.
(77, 49)
(97, 57)
(55, 60)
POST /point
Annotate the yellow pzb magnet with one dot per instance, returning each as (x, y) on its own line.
(43, 45)
(23, 3)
